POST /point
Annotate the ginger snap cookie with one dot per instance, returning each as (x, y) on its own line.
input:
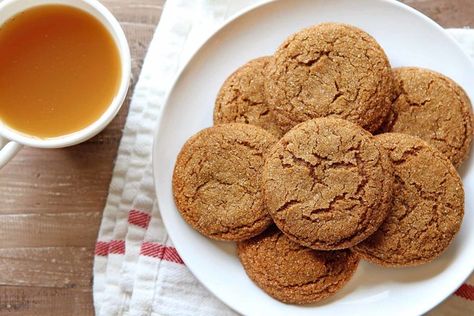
(327, 184)
(330, 69)
(241, 98)
(433, 107)
(292, 273)
(428, 205)
(217, 181)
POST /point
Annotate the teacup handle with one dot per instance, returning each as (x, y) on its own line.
(8, 152)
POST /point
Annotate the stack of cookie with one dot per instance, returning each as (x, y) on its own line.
(323, 154)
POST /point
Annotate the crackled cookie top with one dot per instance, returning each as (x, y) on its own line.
(434, 108)
(292, 273)
(330, 69)
(428, 205)
(216, 181)
(241, 98)
(327, 184)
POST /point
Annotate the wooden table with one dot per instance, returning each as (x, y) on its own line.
(52, 200)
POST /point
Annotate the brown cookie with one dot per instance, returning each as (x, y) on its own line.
(428, 205)
(327, 184)
(292, 273)
(217, 181)
(330, 69)
(434, 108)
(241, 98)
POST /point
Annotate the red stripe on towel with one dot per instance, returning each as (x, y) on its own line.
(102, 248)
(139, 218)
(117, 247)
(466, 291)
(156, 250)
(151, 249)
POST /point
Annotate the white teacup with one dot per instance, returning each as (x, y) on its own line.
(12, 140)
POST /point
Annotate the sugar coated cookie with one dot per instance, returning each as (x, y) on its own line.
(241, 98)
(434, 108)
(330, 69)
(216, 181)
(428, 205)
(292, 273)
(327, 184)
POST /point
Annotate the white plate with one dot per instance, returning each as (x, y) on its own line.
(409, 38)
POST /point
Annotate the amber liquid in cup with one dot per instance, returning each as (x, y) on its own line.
(59, 71)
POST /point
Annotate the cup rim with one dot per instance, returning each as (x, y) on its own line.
(116, 31)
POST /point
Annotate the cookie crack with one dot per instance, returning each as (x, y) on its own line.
(409, 153)
(287, 205)
(332, 202)
(338, 94)
(312, 61)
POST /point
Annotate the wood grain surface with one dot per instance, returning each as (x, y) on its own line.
(52, 200)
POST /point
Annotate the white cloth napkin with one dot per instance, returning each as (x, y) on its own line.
(137, 271)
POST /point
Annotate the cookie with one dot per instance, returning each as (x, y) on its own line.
(434, 108)
(330, 69)
(241, 98)
(292, 273)
(327, 184)
(216, 181)
(428, 205)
